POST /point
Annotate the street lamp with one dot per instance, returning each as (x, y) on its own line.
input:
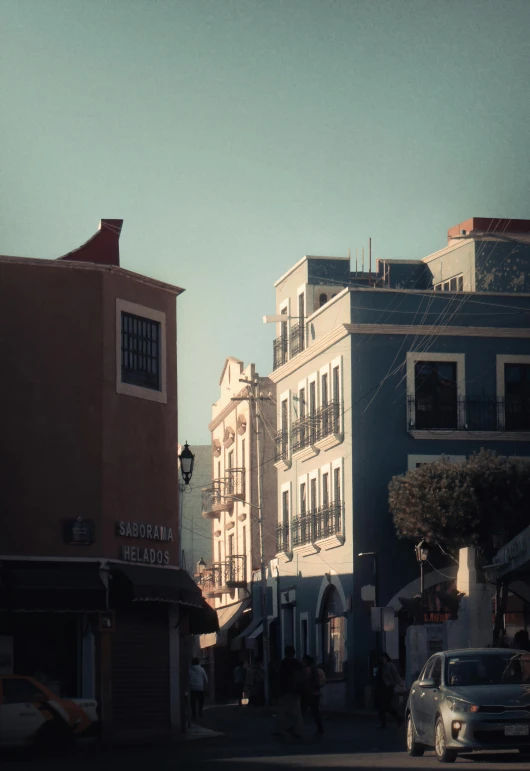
(187, 460)
(422, 554)
(201, 566)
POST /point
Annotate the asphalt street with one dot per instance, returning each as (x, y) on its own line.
(232, 738)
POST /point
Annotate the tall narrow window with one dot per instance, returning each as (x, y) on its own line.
(219, 551)
(244, 539)
(302, 432)
(325, 422)
(460, 283)
(336, 400)
(284, 337)
(230, 545)
(336, 485)
(313, 488)
(436, 395)
(322, 300)
(285, 427)
(312, 410)
(231, 459)
(324, 389)
(517, 396)
(301, 308)
(285, 507)
(325, 491)
(303, 500)
(243, 454)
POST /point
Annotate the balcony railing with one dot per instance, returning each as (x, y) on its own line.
(304, 433)
(279, 349)
(234, 482)
(297, 339)
(223, 576)
(328, 419)
(473, 413)
(282, 445)
(282, 538)
(303, 528)
(328, 520)
(320, 523)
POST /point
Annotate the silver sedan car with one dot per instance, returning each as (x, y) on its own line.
(471, 699)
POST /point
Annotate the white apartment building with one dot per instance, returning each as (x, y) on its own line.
(231, 504)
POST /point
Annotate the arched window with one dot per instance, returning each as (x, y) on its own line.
(333, 633)
(322, 300)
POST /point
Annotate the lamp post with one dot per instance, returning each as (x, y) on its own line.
(186, 461)
(376, 589)
(201, 566)
(422, 553)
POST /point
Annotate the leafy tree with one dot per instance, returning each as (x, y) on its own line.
(483, 502)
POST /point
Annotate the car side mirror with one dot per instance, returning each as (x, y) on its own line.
(427, 683)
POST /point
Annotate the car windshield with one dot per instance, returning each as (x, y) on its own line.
(502, 668)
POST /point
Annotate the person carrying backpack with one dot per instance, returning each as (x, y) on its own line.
(314, 678)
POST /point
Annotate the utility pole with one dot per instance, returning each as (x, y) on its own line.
(253, 397)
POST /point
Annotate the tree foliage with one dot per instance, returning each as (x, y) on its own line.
(483, 502)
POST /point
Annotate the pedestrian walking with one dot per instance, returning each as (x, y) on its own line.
(311, 694)
(198, 685)
(240, 676)
(386, 681)
(291, 683)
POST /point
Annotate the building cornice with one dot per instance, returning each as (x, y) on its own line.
(225, 412)
(435, 331)
(391, 329)
(91, 266)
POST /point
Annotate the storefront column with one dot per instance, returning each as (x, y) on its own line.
(174, 668)
(105, 683)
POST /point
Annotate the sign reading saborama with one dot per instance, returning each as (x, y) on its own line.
(146, 532)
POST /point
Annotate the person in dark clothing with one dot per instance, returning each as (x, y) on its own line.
(291, 680)
(386, 679)
(311, 694)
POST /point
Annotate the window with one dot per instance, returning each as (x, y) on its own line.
(284, 334)
(231, 459)
(219, 553)
(453, 284)
(19, 691)
(312, 410)
(301, 302)
(435, 395)
(140, 351)
(243, 455)
(336, 485)
(322, 300)
(303, 501)
(325, 422)
(285, 507)
(313, 491)
(517, 396)
(324, 390)
(460, 284)
(325, 491)
(434, 672)
(336, 399)
(230, 545)
(244, 539)
(333, 634)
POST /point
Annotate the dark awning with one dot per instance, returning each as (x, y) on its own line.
(52, 586)
(203, 621)
(152, 584)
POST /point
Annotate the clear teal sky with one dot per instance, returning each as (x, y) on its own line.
(235, 136)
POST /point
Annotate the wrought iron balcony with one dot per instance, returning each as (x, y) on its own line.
(207, 503)
(328, 419)
(304, 433)
(282, 538)
(303, 528)
(235, 571)
(234, 482)
(297, 339)
(210, 580)
(279, 349)
(473, 413)
(282, 446)
(328, 520)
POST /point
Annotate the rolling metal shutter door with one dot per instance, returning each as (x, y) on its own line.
(140, 668)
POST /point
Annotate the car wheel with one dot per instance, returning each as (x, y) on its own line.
(414, 748)
(440, 746)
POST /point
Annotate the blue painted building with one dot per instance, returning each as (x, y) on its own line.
(375, 374)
